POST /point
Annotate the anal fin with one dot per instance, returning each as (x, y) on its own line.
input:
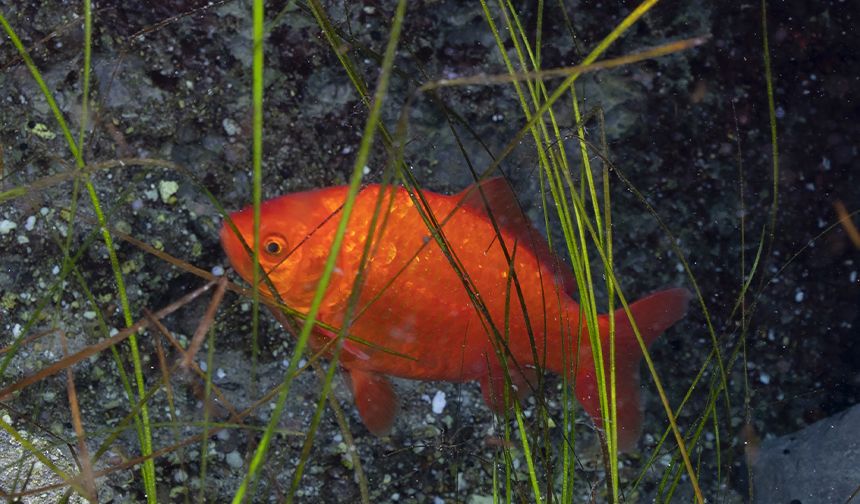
(375, 399)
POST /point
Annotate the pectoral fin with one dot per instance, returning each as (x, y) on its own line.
(375, 399)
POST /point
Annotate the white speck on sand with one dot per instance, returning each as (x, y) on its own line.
(234, 460)
(166, 189)
(6, 225)
(438, 403)
(230, 127)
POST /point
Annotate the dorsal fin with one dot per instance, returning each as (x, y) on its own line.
(502, 201)
(509, 216)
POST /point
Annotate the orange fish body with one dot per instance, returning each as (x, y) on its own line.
(414, 303)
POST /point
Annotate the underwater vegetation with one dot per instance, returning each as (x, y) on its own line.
(606, 151)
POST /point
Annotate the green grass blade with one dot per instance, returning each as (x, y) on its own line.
(555, 165)
(85, 99)
(258, 64)
(49, 97)
(148, 468)
(771, 108)
(518, 412)
(207, 395)
(354, 186)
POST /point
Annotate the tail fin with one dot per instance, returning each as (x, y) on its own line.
(653, 315)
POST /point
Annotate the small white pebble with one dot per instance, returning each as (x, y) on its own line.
(230, 126)
(852, 277)
(16, 330)
(366, 170)
(234, 460)
(30, 223)
(22, 240)
(799, 295)
(166, 189)
(55, 270)
(218, 270)
(220, 374)
(180, 476)
(764, 378)
(6, 226)
(438, 404)
(89, 315)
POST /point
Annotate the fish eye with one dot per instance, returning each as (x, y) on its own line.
(275, 245)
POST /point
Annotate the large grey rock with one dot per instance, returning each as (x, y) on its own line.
(820, 463)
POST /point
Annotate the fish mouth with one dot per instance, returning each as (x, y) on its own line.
(231, 242)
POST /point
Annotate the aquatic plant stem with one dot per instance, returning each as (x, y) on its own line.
(145, 437)
(354, 186)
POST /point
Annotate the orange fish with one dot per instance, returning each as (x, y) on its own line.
(414, 303)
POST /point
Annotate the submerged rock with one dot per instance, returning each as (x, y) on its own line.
(816, 464)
